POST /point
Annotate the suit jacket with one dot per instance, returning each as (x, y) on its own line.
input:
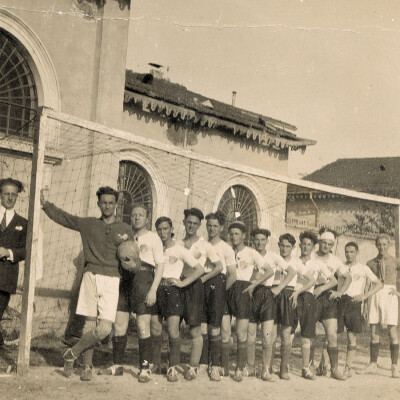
(14, 238)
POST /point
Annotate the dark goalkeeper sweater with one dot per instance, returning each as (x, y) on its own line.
(100, 240)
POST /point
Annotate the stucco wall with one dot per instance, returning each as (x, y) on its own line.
(88, 54)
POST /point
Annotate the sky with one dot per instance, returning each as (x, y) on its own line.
(331, 68)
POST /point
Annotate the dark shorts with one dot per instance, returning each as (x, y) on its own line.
(263, 305)
(134, 292)
(349, 315)
(239, 303)
(215, 300)
(286, 313)
(193, 301)
(306, 303)
(326, 308)
(125, 289)
(169, 301)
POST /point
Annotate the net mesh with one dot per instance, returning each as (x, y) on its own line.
(80, 159)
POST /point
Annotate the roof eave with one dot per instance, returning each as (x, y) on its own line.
(266, 137)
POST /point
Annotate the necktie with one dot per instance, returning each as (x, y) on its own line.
(382, 269)
(3, 223)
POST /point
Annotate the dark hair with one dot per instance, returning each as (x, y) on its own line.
(107, 190)
(11, 181)
(140, 205)
(239, 225)
(218, 215)
(260, 231)
(193, 211)
(352, 244)
(326, 229)
(309, 235)
(160, 220)
(289, 237)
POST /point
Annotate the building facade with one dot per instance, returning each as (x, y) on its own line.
(156, 141)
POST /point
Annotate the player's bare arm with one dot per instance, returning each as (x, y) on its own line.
(198, 271)
(230, 275)
(268, 272)
(310, 283)
(289, 276)
(332, 282)
(347, 281)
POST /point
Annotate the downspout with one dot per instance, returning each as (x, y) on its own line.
(316, 210)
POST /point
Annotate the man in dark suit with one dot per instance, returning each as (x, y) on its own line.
(12, 241)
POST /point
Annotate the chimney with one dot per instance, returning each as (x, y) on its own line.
(158, 71)
(233, 98)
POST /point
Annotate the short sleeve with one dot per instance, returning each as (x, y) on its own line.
(158, 251)
(370, 275)
(229, 256)
(258, 260)
(338, 266)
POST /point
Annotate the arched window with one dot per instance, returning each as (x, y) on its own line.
(135, 186)
(18, 94)
(238, 204)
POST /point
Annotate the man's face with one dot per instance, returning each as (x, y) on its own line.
(351, 253)
(214, 229)
(192, 224)
(260, 241)
(237, 236)
(285, 248)
(107, 205)
(139, 218)
(306, 247)
(382, 245)
(8, 196)
(164, 231)
(325, 246)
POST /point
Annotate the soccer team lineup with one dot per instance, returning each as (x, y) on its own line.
(218, 288)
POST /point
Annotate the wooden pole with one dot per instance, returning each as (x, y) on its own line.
(39, 144)
(397, 230)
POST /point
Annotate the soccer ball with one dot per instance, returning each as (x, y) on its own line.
(128, 253)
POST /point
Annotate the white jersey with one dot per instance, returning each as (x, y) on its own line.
(332, 263)
(151, 248)
(174, 259)
(276, 262)
(359, 274)
(316, 269)
(297, 266)
(204, 252)
(247, 260)
(225, 254)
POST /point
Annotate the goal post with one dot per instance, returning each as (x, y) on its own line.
(32, 244)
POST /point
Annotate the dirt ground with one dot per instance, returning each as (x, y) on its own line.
(46, 381)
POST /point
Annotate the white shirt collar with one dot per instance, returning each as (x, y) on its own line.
(9, 214)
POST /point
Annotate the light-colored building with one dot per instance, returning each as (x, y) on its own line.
(155, 140)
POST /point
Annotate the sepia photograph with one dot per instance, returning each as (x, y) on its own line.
(199, 199)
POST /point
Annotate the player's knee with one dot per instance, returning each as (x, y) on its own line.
(332, 339)
(305, 343)
(103, 329)
(89, 325)
(156, 330)
(242, 335)
(195, 332)
(173, 332)
(214, 331)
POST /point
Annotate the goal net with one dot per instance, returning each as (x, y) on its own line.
(81, 156)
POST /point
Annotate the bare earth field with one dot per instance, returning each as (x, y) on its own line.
(46, 380)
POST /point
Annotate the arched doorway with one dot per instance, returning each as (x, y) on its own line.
(239, 204)
(134, 186)
(18, 93)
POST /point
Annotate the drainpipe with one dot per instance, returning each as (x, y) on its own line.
(316, 210)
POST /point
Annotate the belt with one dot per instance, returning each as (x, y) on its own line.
(146, 267)
(166, 282)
